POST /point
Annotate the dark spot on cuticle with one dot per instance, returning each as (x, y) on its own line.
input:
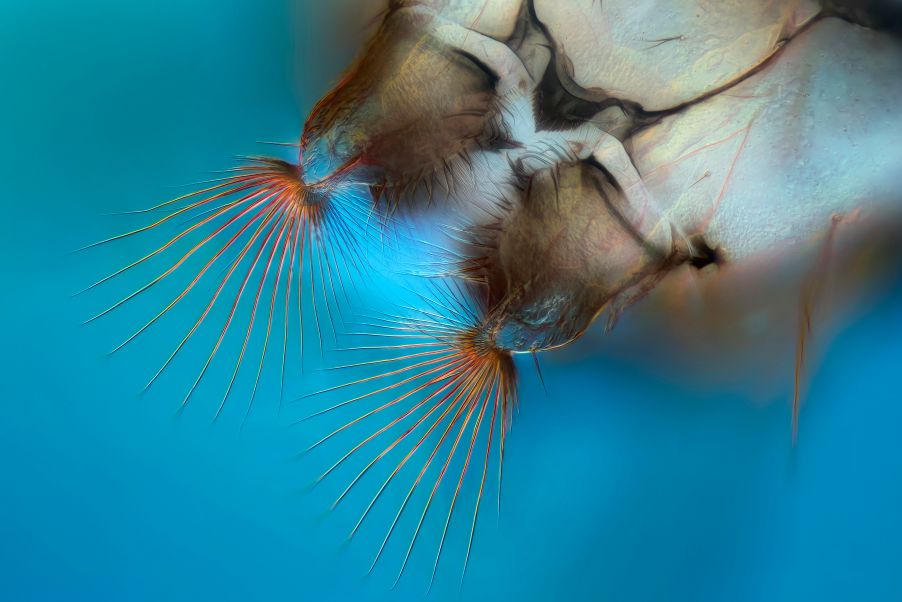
(702, 255)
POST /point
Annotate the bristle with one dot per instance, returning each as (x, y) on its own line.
(450, 381)
(466, 252)
(265, 215)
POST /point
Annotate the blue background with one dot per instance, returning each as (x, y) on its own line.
(618, 485)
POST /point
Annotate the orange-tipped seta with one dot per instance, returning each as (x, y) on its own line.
(280, 238)
(457, 391)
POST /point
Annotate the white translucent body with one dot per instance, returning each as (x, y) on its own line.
(769, 162)
(664, 53)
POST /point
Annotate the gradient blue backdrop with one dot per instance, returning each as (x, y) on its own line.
(618, 486)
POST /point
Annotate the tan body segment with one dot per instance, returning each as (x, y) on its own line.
(409, 104)
(568, 247)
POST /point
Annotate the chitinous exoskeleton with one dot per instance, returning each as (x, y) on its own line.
(769, 172)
